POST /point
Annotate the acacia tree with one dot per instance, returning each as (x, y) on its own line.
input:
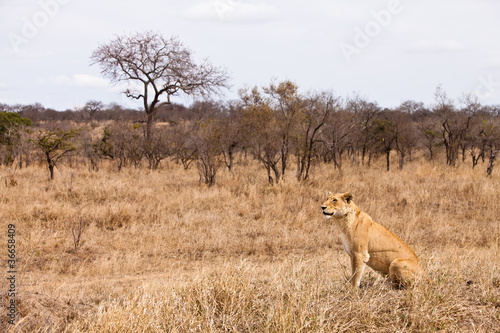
(55, 145)
(157, 67)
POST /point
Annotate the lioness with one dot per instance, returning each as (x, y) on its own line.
(369, 243)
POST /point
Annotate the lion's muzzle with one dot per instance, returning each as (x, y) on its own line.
(326, 214)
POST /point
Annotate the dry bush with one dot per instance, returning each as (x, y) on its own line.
(162, 253)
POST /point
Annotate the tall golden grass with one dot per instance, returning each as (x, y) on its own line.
(158, 252)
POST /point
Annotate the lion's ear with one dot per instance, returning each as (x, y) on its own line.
(347, 197)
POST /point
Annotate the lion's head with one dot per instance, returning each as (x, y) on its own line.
(336, 205)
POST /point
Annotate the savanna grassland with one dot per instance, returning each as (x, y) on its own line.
(158, 252)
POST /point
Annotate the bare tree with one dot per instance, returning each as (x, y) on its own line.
(287, 105)
(88, 151)
(281, 121)
(96, 149)
(365, 112)
(158, 147)
(182, 144)
(411, 107)
(124, 143)
(91, 107)
(455, 123)
(315, 115)
(491, 138)
(385, 135)
(156, 66)
(134, 145)
(208, 150)
(429, 133)
(491, 161)
(77, 226)
(24, 148)
(261, 129)
(339, 136)
(478, 139)
(231, 133)
(406, 135)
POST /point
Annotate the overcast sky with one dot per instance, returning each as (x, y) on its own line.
(388, 51)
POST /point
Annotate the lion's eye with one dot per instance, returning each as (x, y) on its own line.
(334, 200)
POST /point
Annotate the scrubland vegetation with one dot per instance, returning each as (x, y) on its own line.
(158, 251)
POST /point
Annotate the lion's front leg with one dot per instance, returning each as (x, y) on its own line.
(358, 265)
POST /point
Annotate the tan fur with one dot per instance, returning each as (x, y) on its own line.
(369, 243)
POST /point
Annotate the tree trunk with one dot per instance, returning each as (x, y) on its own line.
(149, 128)
(229, 158)
(388, 157)
(299, 168)
(401, 160)
(269, 177)
(277, 174)
(284, 159)
(491, 162)
(50, 163)
(308, 166)
(51, 170)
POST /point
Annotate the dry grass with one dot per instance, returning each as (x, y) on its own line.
(159, 252)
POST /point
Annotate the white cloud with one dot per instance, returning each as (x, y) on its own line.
(435, 46)
(232, 11)
(76, 80)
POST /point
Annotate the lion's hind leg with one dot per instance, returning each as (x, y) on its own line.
(404, 271)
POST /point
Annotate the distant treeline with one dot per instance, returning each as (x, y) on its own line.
(277, 125)
(38, 113)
